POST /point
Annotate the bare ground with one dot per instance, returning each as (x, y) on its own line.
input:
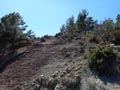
(45, 59)
(37, 59)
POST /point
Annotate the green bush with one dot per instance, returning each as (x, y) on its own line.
(42, 39)
(94, 39)
(116, 37)
(102, 60)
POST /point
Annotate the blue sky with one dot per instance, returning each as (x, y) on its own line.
(47, 16)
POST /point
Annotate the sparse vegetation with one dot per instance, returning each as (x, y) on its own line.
(94, 39)
(42, 39)
(67, 51)
(46, 38)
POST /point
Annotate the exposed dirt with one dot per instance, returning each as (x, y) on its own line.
(26, 66)
(38, 59)
(65, 61)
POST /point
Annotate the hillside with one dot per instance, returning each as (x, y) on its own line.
(51, 66)
(82, 56)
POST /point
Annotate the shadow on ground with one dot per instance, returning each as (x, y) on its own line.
(9, 59)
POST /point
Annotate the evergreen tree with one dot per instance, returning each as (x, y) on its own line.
(70, 25)
(81, 20)
(84, 22)
(11, 29)
(108, 24)
(118, 22)
(30, 34)
(63, 29)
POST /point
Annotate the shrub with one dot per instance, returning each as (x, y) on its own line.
(93, 39)
(115, 36)
(102, 60)
(42, 40)
(47, 36)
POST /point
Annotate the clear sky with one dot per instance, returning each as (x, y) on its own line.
(47, 16)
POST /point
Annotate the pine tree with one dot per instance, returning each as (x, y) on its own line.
(11, 30)
(118, 22)
(84, 22)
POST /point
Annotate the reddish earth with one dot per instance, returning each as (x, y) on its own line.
(25, 66)
(37, 59)
(45, 59)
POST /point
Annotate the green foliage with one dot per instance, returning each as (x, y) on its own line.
(84, 22)
(102, 60)
(63, 29)
(115, 37)
(81, 20)
(118, 22)
(30, 34)
(70, 26)
(42, 39)
(11, 30)
(47, 36)
(93, 38)
(108, 24)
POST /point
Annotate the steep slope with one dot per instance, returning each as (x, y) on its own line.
(38, 58)
(49, 66)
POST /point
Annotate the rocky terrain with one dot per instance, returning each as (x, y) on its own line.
(51, 66)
